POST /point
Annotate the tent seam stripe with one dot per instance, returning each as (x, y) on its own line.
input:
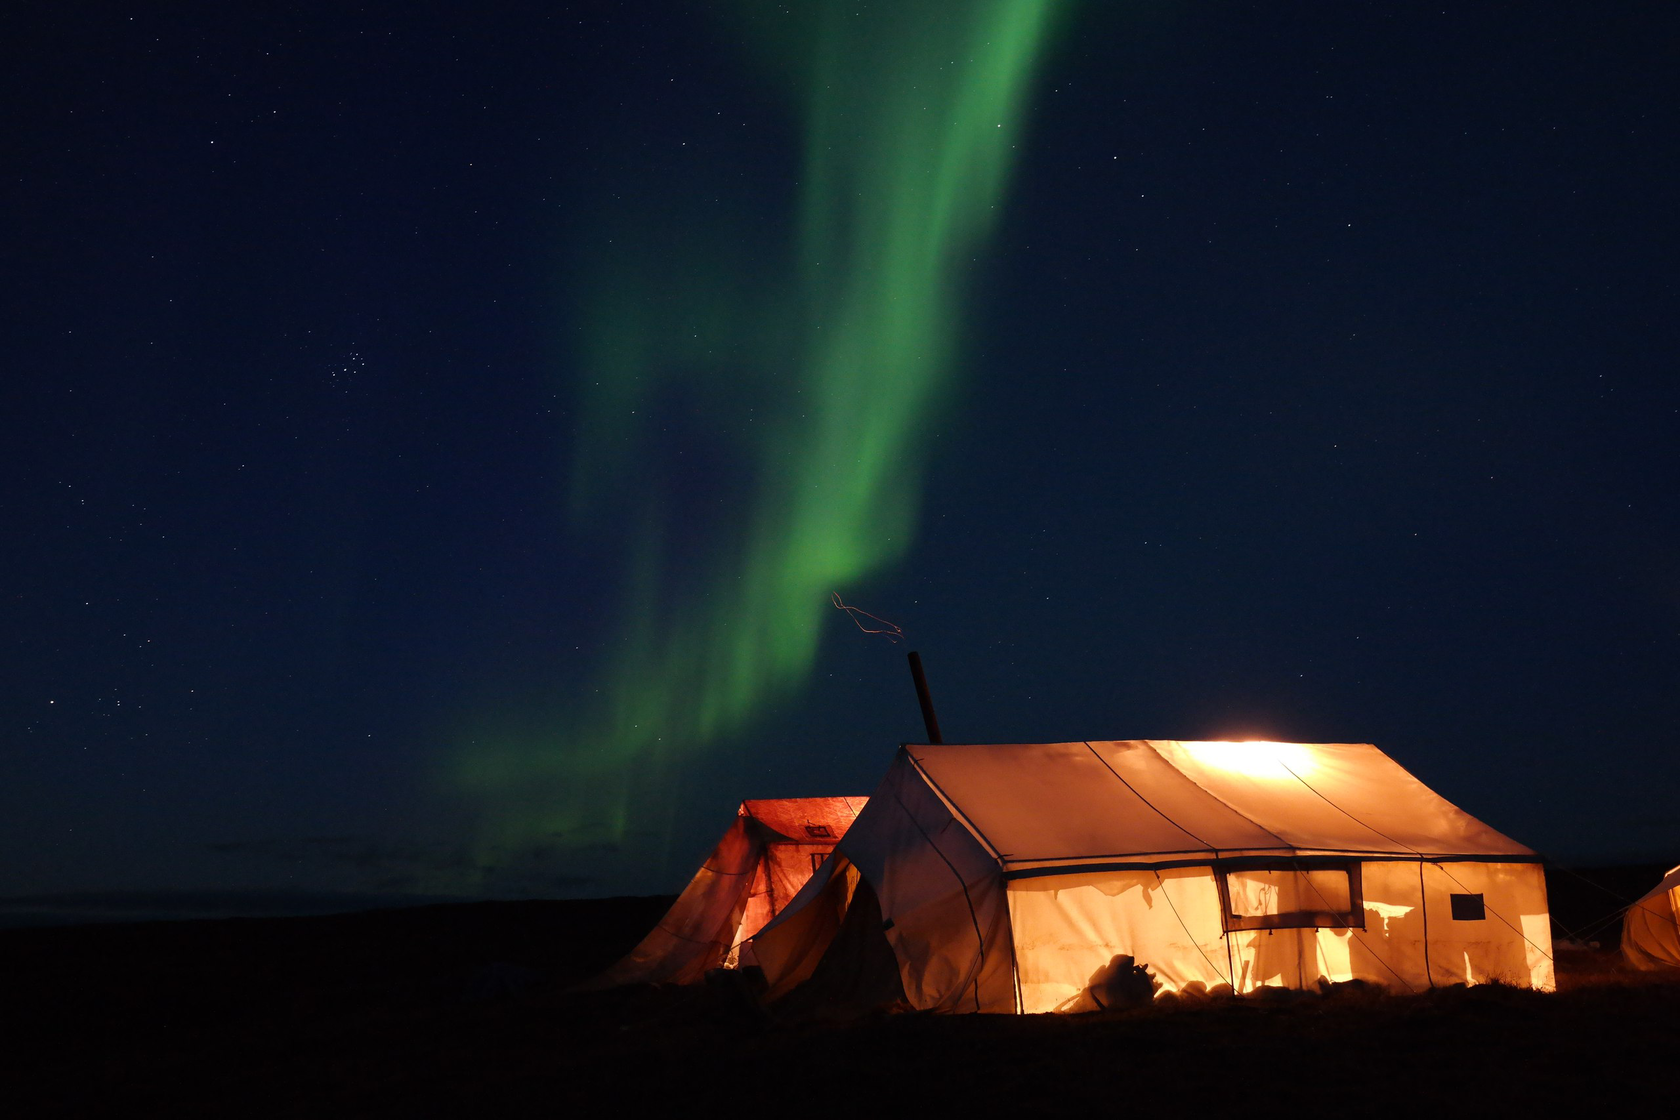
(1423, 905)
(1225, 976)
(1146, 800)
(1150, 743)
(980, 939)
(954, 809)
(1345, 813)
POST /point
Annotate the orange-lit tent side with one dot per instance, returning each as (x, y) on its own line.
(1043, 877)
(1651, 927)
(758, 866)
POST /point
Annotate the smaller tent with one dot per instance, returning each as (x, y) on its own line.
(762, 860)
(1651, 927)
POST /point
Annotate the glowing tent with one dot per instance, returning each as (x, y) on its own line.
(1651, 927)
(1048, 877)
(757, 867)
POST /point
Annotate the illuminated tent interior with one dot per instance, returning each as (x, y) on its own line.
(768, 852)
(1651, 927)
(1046, 877)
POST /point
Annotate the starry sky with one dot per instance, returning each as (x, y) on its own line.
(434, 434)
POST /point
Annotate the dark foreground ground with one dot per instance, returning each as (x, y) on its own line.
(463, 1011)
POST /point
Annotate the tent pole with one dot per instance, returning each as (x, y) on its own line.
(924, 698)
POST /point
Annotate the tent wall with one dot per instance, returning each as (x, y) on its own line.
(759, 865)
(699, 929)
(942, 901)
(858, 971)
(782, 870)
(789, 948)
(1511, 945)
(1069, 929)
(1651, 927)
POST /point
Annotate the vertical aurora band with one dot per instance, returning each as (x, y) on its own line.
(912, 115)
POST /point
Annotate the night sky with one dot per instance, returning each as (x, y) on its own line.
(434, 432)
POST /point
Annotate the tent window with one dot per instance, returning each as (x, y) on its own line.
(817, 860)
(1468, 908)
(1292, 896)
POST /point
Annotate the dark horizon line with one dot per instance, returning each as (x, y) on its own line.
(80, 908)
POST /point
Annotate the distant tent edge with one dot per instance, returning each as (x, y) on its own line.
(1651, 927)
(1022, 878)
(759, 864)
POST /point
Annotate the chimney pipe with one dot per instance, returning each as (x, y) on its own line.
(930, 720)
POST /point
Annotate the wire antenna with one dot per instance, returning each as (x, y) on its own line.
(895, 634)
(888, 630)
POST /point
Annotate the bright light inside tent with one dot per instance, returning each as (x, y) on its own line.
(1256, 759)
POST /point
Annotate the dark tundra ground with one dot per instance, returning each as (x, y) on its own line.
(463, 1010)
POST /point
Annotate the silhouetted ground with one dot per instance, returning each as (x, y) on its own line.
(463, 1011)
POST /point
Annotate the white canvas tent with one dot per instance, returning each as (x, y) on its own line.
(757, 867)
(1040, 877)
(1651, 927)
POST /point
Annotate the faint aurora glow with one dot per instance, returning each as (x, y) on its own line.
(911, 117)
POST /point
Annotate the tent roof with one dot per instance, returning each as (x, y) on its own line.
(820, 820)
(1670, 882)
(1045, 804)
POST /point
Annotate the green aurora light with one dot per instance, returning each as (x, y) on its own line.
(911, 118)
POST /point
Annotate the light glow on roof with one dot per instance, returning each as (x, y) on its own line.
(1256, 759)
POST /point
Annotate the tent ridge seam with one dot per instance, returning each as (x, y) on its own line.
(952, 807)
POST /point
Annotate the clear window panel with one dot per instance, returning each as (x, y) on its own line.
(1261, 892)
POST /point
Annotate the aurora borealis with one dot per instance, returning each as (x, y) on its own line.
(911, 118)
(436, 433)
